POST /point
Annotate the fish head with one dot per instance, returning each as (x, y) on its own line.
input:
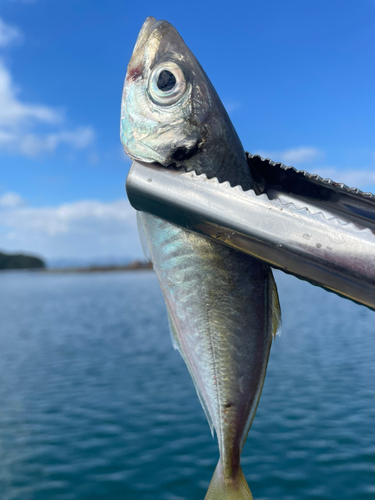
(170, 112)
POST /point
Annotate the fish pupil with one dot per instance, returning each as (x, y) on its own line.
(166, 81)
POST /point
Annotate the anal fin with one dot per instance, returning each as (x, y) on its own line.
(275, 311)
(143, 237)
(177, 345)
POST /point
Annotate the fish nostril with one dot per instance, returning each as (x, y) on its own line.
(183, 153)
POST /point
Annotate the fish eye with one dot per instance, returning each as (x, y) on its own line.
(166, 80)
(167, 84)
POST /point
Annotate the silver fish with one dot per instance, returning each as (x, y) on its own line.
(223, 306)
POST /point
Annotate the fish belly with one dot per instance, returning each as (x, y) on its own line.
(220, 309)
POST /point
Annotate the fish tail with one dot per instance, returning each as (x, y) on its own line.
(221, 488)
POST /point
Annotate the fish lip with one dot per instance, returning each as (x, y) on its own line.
(172, 167)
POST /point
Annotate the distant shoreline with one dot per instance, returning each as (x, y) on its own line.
(132, 266)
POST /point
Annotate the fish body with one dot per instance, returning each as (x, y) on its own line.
(222, 304)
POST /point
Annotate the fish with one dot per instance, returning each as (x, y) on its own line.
(222, 305)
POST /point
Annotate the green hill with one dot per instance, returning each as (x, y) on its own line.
(19, 261)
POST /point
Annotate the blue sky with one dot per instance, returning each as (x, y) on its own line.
(297, 78)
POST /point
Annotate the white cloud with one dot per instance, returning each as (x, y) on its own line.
(85, 229)
(359, 178)
(363, 178)
(14, 113)
(20, 122)
(8, 34)
(231, 105)
(33, 145)
(11, 199)
(292, 156)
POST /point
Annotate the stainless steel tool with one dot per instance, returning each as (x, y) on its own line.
(314, 228)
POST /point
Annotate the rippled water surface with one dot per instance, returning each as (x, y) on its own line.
(95, 404)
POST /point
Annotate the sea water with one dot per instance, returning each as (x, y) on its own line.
(96, 405)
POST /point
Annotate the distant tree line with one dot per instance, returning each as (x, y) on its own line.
(19, 261)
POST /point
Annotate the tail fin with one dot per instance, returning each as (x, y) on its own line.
(228, 489)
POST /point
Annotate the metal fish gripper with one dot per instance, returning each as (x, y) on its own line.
(316, 229)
